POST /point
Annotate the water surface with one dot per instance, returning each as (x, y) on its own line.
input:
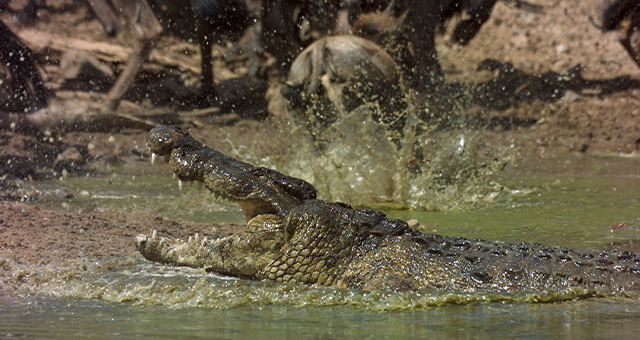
(73, 318)
(575, 202)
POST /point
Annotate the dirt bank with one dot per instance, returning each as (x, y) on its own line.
(32, 235)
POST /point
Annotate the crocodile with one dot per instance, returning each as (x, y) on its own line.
(291, 236)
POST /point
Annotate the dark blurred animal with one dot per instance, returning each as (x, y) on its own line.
(208, 19)
(283, 22)
(292, 25)
(139, 16)
(386, 29)
(213, 19)
(415, 22)
(342, 73)
(418, 22)
(613, 16)
(23, 89)
(425, 19)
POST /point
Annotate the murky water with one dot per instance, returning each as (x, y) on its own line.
(130, 297)
(70, 318)
(572, 201)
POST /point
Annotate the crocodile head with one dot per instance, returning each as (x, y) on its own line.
(266, 197)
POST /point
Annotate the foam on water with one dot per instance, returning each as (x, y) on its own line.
(141, 283)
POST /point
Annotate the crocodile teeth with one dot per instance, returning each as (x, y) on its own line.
(154, 156)
(175, 176)
(181, 185)
(197, 238)
(154, 234)
(190, 240)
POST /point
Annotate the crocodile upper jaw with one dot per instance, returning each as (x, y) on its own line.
(257, 190)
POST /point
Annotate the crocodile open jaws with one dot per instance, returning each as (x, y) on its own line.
(293, 237)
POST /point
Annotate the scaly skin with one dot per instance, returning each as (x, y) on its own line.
(292, 237)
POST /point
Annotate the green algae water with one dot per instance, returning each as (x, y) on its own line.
(71, 318)
(573, 201)
(131, 297)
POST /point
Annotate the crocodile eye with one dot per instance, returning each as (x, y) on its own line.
(141, 244)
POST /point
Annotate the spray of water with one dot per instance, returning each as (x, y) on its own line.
(362, 162)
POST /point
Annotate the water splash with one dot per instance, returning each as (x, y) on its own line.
(362, 162)
(141, 283)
